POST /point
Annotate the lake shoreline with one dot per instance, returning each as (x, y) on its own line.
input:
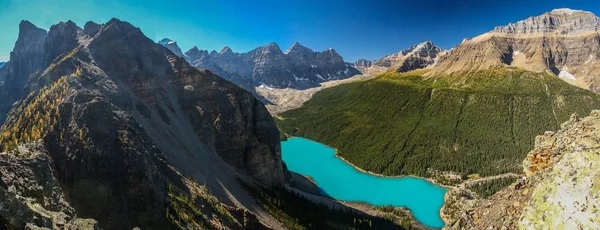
(365, 204)
(430, 180)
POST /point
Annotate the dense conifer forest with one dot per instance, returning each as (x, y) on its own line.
(402, 124)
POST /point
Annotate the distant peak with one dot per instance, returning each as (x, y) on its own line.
(166, 41)
(273, 45)
(26, 24)
(297, 47)
(568, 11)
(226, 49)
(297, 44)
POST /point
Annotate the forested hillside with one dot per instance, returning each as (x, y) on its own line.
(484, 122)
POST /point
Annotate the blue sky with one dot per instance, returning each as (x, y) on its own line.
(356, 29)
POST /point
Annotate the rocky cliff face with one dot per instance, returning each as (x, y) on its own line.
(559, 189)
(25, 59)
(130, 131)
(416, 57)
(564, 42)
(299, 67)
(2, 64)
(559, 21)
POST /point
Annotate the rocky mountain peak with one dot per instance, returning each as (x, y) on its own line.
(272, 47)
(116, 27)
(195, 53)
(225, 50)
(26, 27)
(172, 45)
(363, 63)
(426, 49)
(166, 41)
(62, 38)
(91, 28)
(561, 21)
(297, 48)
(25, 59)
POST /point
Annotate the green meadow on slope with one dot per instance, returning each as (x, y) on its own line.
(402, 124)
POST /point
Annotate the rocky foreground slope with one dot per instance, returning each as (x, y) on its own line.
(128, 133)
(559, 189)
(564, 42)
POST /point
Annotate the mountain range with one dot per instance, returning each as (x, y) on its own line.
(298, 67)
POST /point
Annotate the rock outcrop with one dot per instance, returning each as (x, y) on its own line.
(131, 131)
(559, 21)
(416, 57)
(559, 189)
(299, 67)
(564, 42)
(31, 196)
(25, 59)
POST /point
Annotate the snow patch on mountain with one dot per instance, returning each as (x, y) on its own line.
(565, 74)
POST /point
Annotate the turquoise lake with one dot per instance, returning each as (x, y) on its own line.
(341, 181)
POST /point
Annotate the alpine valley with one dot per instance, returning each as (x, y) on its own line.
(104, 128)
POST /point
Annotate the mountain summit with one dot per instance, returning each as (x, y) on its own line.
(172, 45)
(417, 56)
(564, 42)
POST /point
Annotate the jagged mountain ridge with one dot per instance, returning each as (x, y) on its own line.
(126, 125)
(417, 56)
(564, 42)
(299, 67)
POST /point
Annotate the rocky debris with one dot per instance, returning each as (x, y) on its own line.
(125, 122)
(299, 67)
(563, 42)
(559, 189)
(282, 100)
(416, 57)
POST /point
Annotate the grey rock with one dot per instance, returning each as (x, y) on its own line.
(299, 67)
(561, 21)
(25, 59)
